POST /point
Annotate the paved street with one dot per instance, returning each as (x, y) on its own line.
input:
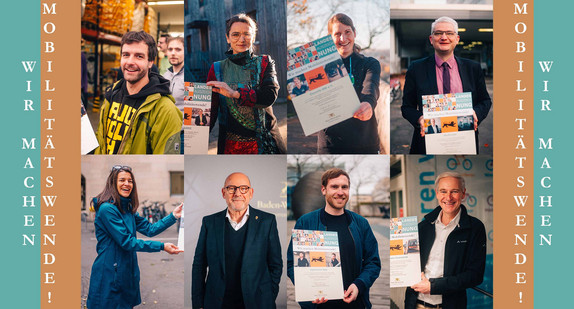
(161, 282)
(402, 130)
(379, 292)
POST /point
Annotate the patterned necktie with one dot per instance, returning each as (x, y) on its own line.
(445, 78)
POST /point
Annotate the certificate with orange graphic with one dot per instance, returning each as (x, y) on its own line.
(319, 85)
(405, 257)
(317, 265)
(449, 123)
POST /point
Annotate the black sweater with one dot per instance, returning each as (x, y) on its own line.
(353, 135)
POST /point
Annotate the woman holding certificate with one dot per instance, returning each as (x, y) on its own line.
(359, 134)
(247, 87)
(114, 280)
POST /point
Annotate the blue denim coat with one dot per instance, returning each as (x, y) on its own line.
(114, 281)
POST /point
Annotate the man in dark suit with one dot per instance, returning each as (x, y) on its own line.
(433, 128)
(201, 119)
(240, 247)
(442, 73)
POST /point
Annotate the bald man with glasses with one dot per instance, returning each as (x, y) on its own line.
(237, 262)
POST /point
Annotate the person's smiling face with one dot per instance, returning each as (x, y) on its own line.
(135, 63)
(450, 195)
(125, 184)
(344, 38)
(336, 192)
(237, 201)
(240, 37)
(444, 39)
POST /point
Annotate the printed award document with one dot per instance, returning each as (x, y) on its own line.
(319, 85)
(89, 140)
(180, 239)
(197, 114)
(449, 123)
(317, 265)
(405, 257)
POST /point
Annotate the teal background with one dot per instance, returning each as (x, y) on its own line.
(20, 24)
(553, 264)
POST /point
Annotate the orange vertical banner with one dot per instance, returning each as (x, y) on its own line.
(60, 153)
(513, 154)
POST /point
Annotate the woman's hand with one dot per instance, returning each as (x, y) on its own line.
(224, 89)
(171, 248)
(177, 211)
(365, 112)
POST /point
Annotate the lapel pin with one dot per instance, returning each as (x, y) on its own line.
(256, 217)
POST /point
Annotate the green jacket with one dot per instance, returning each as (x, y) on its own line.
(155, 128)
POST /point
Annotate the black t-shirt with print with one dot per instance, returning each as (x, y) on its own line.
(123, 108)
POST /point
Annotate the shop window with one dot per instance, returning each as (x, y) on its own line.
(176, 183)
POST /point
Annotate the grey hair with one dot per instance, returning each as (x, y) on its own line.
(445, 19)
(450, 174)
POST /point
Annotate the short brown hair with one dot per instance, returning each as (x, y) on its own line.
(333, 173)
(177, 38)
(141, 36)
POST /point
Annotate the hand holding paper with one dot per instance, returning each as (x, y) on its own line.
(177, 211)
(422, 125)
(364, 112)
(171, 248)
(319, 301)
(423, 286)
(224, 89)
(351, 293)
(475, 120)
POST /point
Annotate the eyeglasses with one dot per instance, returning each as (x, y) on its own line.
(235, 36)
(439, 34)
(242, 189)
(121, 167)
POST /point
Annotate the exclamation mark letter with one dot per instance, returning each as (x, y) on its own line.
(50, 297)
(520, 297)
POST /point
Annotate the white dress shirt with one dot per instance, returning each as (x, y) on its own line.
(237, 225)
(435, 263)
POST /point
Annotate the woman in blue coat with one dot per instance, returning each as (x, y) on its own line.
(114, 281)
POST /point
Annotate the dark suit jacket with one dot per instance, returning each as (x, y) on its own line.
(421, 80)
(434, 129)
(203, 119)
(260, 270)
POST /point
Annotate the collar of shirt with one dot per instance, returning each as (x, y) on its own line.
(451, 61)
(455, 80)
(452, 224)
(237, 225)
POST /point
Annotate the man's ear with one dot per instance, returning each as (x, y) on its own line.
(323, 190)
(149, 64)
